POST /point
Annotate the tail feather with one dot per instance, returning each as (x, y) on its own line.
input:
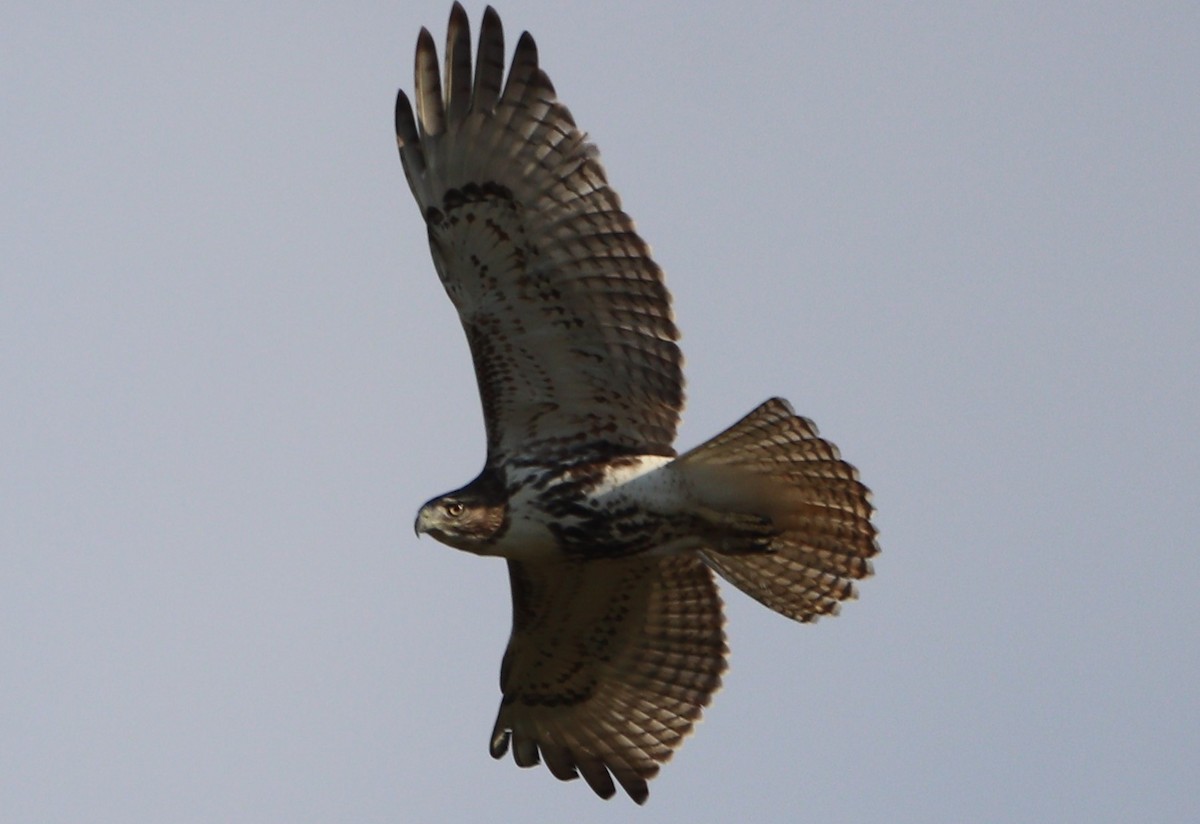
(773, 463)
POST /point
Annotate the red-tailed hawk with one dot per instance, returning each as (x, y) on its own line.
(611, 540)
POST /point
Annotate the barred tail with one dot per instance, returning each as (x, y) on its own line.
(772, 463)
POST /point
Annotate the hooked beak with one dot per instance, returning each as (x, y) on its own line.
(421, 525)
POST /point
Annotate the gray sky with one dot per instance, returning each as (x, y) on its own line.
(963, 238)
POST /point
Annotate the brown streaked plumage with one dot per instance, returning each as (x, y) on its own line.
(566, 314)
(617, 642)
(609, 666)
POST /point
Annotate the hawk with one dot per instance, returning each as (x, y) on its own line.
(610, 537)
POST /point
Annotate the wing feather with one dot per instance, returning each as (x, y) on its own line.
(566, 313)
(458, 65)
(431, 111)
(489, 67)
(609, 666)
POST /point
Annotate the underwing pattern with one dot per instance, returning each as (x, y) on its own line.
(611, 540)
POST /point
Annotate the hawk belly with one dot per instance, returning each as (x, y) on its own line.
(616, 508)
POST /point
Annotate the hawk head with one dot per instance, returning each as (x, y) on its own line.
(470, 518)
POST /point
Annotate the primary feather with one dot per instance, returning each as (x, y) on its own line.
(567, 316)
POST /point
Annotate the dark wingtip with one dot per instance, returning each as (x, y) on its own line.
(527, 44)
(498, 746)
(636, 786)
(426, 49)
(406, 126)
(402, 105)
(597, 777)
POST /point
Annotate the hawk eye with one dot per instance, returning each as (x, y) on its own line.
(454, 509)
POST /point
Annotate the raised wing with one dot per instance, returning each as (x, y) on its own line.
(567, 316)
(609, 666)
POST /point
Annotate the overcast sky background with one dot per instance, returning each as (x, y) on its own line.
(964, 238)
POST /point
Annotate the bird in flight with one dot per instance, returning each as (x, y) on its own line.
(611, 537)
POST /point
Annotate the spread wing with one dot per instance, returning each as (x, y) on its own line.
(609, 666)
(567, 316)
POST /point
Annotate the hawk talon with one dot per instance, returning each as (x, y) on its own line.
(756, 546)
(739, 524)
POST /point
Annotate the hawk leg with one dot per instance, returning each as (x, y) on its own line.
(738, 533)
